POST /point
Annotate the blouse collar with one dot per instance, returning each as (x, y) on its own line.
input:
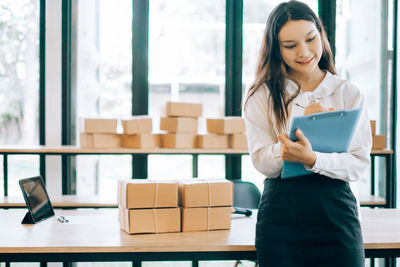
(324, 89)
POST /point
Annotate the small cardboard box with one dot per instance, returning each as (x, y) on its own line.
(136, 221)
(205, 193)
(183, 109)
(226, 125)
(178, 140)
(204, 219)
(137, 124)
(212, 141)
(373, 127)
(99, 125)
(378, 142)
(179, 124)
(142, 140)
(100, 140)
(141, 193)
(238, 141)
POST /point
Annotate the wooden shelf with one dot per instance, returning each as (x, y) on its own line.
(371, 200)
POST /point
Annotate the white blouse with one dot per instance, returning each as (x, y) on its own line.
(262, 130)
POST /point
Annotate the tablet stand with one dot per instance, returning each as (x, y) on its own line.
(28, 219)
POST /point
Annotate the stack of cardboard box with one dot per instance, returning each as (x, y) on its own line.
(99, 133)
(137, 133)
(147, 206)
(181, 124)
(223, 133)
(206, 204)
(378, 141)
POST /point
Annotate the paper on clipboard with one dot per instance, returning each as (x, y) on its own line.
(327, 132)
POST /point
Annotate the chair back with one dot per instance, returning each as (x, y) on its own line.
(245, 195)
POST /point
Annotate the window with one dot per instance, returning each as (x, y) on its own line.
(186, 63)
(103, 67)
(19, 84)
(362, 58)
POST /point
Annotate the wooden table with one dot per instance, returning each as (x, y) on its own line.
(94, 235)
(64, 202)
(76, 201)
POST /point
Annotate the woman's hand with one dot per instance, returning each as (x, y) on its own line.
(299, 151)
(316, 108)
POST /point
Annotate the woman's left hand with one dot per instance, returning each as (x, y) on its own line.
(299, 151)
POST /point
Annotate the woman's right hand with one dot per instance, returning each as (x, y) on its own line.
(316, 108)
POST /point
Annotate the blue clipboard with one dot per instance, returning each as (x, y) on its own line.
(327, 132)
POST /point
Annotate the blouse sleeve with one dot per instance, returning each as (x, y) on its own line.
(264, 148)
(349, 166)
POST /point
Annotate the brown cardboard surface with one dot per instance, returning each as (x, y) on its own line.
(226, 125)
(140, 193)
(178, 140)
(100, 140)
(99, 125)
(238, 141)
(137, 124)
(142, 140)
(373, 127)
(106, 140)
(183, 109)
(203, 219)
(179, 124)
(205, 193)
(212, 141)
(86, 140)
(163, 220)
(378, 142)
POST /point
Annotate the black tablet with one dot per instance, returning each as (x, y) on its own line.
(37, 200)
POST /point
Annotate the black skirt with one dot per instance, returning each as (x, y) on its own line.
(310, 220)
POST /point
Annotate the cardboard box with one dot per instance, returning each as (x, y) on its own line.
(178, 140)
(212, 141)
(205, 193)
(99, 125)
(142, 140)
(238, 141)
(378, 142)
(100, 140)
(183, 109)
(137, 124)
(141, 193)
(137, 221)
(179, 124)
(226, 125)
(373, 127)
(204, 219)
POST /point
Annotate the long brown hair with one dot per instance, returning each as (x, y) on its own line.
(271, 69)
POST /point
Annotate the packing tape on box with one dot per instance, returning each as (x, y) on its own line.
(209, 193)
(208, 218)
(155, 196)
(155, 220)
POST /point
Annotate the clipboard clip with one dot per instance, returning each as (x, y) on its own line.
(329, 114)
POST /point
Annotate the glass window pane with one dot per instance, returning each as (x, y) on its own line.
(19, 85)
(211, 166)
(103, 59)
(360, 53)
(173, 167)
(19, 72)
(186, 58)
(21, 166)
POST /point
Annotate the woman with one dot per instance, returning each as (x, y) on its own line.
(310, 220)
